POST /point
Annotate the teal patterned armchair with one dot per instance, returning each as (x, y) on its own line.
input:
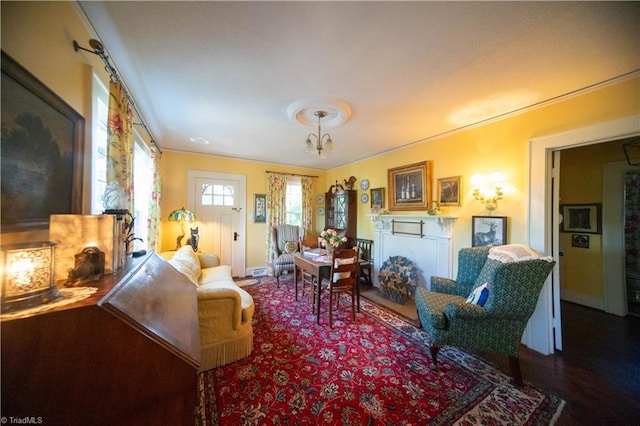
(452, 316)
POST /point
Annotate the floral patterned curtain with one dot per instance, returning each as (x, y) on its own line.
(120, 141)
(276, 210)
(307, 205)
(154, 204)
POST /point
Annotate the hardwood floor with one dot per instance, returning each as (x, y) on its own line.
(598, 371)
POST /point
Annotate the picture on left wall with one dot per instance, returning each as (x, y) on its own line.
(41, 166)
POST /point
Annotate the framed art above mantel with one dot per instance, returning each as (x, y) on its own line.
(410, 186)
(42, 152)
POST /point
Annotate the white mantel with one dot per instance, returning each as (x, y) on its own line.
(424, 239)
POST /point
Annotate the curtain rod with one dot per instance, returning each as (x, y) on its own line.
(292, 174)
(98, 50)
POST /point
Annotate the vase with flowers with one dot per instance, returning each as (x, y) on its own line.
(330, 240)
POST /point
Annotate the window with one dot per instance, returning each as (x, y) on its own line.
(142, 175)
(294, 201)
(218, 195)
(100, 111)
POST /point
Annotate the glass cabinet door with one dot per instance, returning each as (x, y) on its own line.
(341, 211)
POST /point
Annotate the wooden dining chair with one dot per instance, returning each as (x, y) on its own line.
(343, 278)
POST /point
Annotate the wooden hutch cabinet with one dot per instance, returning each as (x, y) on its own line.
(341, 212)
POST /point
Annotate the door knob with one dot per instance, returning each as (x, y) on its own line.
(235, 236)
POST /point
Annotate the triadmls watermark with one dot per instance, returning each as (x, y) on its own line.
(24, 420)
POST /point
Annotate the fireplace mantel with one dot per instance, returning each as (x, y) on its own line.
(424, 239)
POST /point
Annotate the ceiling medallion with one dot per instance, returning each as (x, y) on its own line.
(304, 111)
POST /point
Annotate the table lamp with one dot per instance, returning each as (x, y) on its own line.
(27, 275)
(181, 215)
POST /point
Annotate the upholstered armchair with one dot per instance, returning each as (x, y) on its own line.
(285, 240)
(491, 317)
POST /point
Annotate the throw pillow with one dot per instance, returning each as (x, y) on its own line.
(208, 260)
(479, 295)
(290, 246)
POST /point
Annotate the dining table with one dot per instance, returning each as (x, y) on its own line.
(316, 263)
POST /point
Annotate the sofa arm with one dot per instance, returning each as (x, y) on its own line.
(219, 305)
(448, 286)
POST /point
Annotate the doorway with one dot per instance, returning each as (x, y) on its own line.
(545, 327)
(218, 200)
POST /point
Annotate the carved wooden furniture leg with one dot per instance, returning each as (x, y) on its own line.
(514, 367)
(434, 349)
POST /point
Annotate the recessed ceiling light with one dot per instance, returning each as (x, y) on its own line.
(200, 141)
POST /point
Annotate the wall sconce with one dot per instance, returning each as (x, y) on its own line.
(27, 275)
(488, 190)
(181, 215)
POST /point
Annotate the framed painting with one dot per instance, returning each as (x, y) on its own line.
(42, 151)
(377, 197)
(582, 218)
(580, 241)
(488, 231)
(410, 186)
(259, 208)
(449, 191)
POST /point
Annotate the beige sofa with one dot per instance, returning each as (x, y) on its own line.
(225, 311)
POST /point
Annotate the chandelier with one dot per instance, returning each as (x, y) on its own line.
(322, 142)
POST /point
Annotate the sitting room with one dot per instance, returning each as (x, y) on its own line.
(320, 212)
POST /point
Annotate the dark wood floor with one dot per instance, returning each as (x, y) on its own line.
(598, 371)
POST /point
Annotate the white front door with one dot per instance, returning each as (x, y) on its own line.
(218, 200)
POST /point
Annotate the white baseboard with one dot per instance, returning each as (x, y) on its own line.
(581, 299)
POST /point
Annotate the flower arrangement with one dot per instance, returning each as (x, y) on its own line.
(330, 237)
(377, 211)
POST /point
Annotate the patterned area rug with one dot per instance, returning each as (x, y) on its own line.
(371, 371)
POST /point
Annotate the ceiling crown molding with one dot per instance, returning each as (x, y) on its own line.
(303, 111)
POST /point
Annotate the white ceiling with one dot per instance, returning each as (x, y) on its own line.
(228, 71)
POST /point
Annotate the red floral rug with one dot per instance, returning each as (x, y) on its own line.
(374, 371)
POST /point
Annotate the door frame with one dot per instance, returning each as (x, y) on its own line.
(540, 336)
(239, 249)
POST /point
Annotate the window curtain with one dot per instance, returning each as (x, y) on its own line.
(153, 227)
(307, 205)
(276, 211)
(120, 143)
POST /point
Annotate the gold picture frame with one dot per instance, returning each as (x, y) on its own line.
(410, 186)
(449, 191)
(377, 197)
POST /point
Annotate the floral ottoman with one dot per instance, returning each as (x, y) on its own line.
(397, 278)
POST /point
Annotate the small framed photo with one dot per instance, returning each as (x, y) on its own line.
(449, 191)
(582, 218)
(579, 240)
(259, 208)
(377, 197)
(410, 186)
(488, 231)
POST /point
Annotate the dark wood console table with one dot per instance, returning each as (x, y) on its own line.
(127, 355)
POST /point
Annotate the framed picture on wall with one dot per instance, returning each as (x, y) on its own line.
(410, 186)
(259, 208)
(488, 231)
(582, 218)
(580, 241)
(377, 197)
(449, 191)
(42, 152)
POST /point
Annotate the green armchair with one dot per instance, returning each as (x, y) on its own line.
(495, 322)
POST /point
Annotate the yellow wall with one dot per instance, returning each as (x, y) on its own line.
(39, 35)
(173, 168)
(497, 146)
